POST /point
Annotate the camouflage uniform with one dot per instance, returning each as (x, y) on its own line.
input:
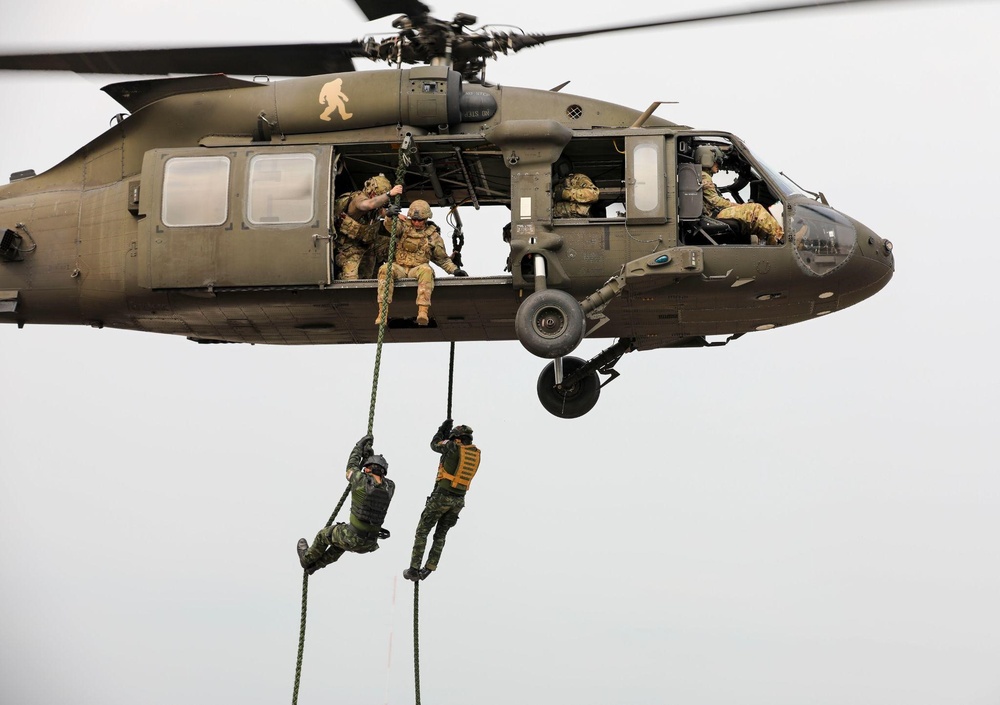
(762, 224)
(414, 250)
(443, 504)
(357, 536)
(355, 235)
(573, 196)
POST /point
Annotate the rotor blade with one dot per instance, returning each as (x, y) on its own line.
(375, 9)
(271, 60)
(527, 40)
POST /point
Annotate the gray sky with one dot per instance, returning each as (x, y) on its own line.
(809, 515)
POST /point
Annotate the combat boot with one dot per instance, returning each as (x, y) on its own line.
(302, 547)
(424, 572)
(381, 314)
(423, 317)
(412, 574)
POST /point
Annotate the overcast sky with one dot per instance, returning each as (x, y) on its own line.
(808, 515)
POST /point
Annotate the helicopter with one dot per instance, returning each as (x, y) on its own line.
(208, 212)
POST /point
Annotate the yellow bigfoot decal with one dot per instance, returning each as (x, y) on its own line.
(334, 99)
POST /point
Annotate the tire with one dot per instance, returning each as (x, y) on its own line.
(570, 402)
(549, 323)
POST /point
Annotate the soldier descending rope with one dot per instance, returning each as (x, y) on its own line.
(371, 494)
(459, 463)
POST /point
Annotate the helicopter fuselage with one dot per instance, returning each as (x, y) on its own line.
(208, 213)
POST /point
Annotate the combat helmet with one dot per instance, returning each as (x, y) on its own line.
(460, 431)
(421, 210)
(708, 155)
(379, 462)
(377, 185)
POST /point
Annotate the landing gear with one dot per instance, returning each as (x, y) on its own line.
(568, 401)
(550, 323)
(568, 387)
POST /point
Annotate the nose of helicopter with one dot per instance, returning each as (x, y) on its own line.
(831, 244)
(870, 266)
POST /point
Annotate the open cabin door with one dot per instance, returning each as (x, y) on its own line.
(235, 217)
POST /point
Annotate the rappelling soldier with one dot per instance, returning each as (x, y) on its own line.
(419, 243)
(761, 224)
(357, 218)
(459, 463)
(371, 494)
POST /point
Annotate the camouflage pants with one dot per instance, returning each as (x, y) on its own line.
(441, 510)
(422, 273)
(762, 224)
(331, 543)
(348, 257)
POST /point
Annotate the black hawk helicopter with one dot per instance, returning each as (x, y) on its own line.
(209, 211)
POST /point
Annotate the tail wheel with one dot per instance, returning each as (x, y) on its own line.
(549, 323)
(568, 401)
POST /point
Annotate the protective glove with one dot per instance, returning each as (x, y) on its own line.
(392, 210)
(445, 427)
(365, 444)
(459, 273)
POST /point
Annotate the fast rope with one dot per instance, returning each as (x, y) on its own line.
(416, 584)
(404, 162)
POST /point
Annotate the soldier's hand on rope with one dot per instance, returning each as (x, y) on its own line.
(445, 427)
(392, 210)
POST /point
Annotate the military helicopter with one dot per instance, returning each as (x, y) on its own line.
(208, 212)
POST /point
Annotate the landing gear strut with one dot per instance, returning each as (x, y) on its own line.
(569, 387)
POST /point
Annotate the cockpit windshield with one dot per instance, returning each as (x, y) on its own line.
(786, 187)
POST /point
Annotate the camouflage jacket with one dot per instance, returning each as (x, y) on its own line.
(416, 247)
(573, 196)
(712, 200)
(362, 226)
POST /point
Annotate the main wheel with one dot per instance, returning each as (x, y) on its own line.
(568, 402)
(549, 323)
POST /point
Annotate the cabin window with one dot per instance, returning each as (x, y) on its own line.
(281, 189)
(645, 160)
(195, 191)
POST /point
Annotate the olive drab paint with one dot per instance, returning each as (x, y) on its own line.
(209, 213)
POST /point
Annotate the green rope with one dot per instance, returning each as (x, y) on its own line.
(451, 377)
(400, 172)
(416, 639)
(416, 583)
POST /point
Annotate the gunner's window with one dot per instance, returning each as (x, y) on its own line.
(195, 191)
(281, 189)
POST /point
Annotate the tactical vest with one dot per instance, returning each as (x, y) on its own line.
(414, 246)
(361, 229)
(465, 470)
(370, 501)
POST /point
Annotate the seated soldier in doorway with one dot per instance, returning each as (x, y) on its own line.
(761, 223)
(418, 244)
(357, 217)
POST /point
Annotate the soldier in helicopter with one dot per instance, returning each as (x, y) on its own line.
(357, 220)
(758, 219)
(418, 244)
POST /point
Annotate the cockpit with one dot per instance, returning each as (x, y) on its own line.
(821, 237)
